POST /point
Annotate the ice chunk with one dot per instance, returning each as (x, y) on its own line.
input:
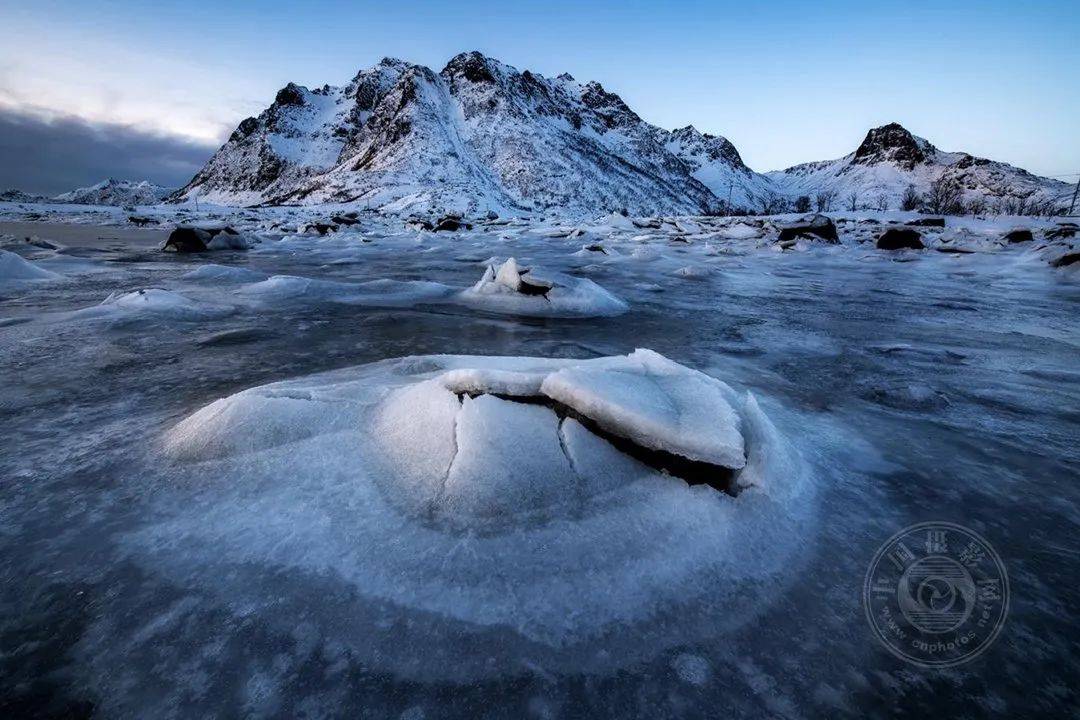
(153, 302)
(415, 427)
(597, 462)
(475, 381)
(536, 292)
(13, 268)
(509, 460)
(223, 273)
(769, 459)
(655, 403)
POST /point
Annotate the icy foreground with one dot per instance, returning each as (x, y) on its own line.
(222, 499)
(372, 469)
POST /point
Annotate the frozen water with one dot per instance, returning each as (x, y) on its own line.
(218, 513)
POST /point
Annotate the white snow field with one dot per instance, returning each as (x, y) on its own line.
(639, 470)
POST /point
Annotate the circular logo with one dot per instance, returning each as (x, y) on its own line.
(936, 594)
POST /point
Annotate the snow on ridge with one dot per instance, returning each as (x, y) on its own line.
(481, 135)
(891, 159)
(116, 192)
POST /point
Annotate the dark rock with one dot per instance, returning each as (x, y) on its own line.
(290, 95)
(187, 240)
(322, 228)
(345, 219)
(815, 226)
(529, 286)
(928, 222)
(141, 221)
(596, 248)
(492, 215)
(451, 223)
(415, 223)
(900, 238)
(245, 129)
(890, 143)
(1018, 236)
(1066, 260)
(1062, 231)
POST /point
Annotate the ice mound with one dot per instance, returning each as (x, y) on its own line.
(456, 506)
(153, 302)
(224, 274)
(531, 291)
(13, 268)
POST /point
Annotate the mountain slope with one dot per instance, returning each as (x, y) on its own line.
(477, 135)
(715, 162)
(890, 159)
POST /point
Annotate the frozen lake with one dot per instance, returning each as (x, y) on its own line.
(915, 387)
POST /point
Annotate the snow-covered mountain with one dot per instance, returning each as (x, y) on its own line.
(891, 159)
(116, 192)
(477, 135)
(480, 135)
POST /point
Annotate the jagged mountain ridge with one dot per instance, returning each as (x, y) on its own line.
(890, 159)
(481, 135)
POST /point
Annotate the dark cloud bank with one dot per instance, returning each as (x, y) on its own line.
(53, 155)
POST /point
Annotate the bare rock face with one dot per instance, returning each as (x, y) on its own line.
(890, 143)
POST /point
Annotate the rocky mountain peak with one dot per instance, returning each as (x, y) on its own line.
(291, 94)
(709, 148)
(891, 143)
(473, 66)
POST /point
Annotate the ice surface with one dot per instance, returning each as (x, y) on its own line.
(272, 551)
(656, 403)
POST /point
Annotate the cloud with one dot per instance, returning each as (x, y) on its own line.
(50, 154)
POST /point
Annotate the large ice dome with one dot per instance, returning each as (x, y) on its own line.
(537, 506)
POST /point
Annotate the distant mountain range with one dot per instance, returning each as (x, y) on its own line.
(107, 192)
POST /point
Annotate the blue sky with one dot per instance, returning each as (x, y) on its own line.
(787, 82)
